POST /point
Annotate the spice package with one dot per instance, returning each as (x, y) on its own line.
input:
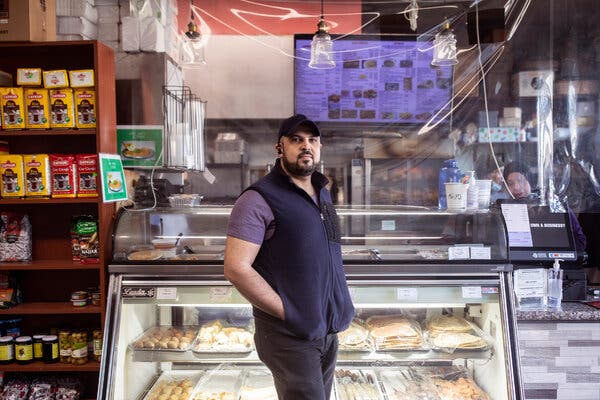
(15, 237)
(62, 112)
(29, 76)
(62, 170)
(10, 292)
(37, 174)
(87, 234)
(82, 78)
(55, 79)
(87, 175)
(85, 106)
(11, 170)
(11, 103)
(38, 108)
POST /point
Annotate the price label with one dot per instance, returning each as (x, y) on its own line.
(166, 293)
(481, 253)
(407, 294)
(530, 282)
(220, 294)
(471, 292)
(458, 253)
(388, 225)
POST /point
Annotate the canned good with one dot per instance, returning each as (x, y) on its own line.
(79, 298)
(7, 349)
(50, 349)
(24, 349)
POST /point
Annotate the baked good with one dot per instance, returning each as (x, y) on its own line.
(214, 337)
(394, 332)
(214, 396)
(459, 340)
(177, 389)
(354, 338)
(258, 393)
(459, 389)
(352, 385)
(165, 338)
(145, 255)
(447, 323)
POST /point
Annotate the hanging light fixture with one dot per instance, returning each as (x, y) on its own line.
(444, 47)
(321, 47)
(191, 53)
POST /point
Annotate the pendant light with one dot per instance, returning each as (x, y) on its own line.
(444, 47)
(191, 52)
(321, 47)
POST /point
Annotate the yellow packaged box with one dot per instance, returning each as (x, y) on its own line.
(81, 78)
(29, 76)
(55, 79)
(85, 107)
(37, 174)
(61, 108)
(11, 102)
(37, 108)
(11, 170)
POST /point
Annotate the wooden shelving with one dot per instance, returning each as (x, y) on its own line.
(48, 280)
(48, 265)
(91, 366)
(46, 132)
(49, 308)
(31, 200)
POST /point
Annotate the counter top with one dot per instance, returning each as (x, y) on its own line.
(569, 312)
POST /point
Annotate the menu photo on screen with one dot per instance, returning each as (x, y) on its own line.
(376, 79)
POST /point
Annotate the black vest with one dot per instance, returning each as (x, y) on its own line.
(302, 261)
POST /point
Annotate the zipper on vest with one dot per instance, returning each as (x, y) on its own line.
(331, 273)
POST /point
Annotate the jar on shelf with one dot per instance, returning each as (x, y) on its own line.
(7, 349)
(37, 347)
(50, 349)
(64, 345)
(24, 349)
(79, 347)
(97, 336)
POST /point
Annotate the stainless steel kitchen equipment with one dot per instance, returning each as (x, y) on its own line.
(431, 289)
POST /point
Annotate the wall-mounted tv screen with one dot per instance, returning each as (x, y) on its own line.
(376, 80)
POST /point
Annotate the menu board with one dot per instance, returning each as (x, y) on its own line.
(377, 79)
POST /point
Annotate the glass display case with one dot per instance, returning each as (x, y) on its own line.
(433, 316)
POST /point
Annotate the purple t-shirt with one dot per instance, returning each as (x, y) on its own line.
(251, 218)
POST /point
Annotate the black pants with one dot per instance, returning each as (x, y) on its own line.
(302, 369)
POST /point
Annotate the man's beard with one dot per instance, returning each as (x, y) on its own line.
(299, 168)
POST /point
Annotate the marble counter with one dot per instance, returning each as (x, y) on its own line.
(569, 312)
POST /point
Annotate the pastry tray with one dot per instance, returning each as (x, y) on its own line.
(134, 345)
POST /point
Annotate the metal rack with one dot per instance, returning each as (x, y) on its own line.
(183, 141)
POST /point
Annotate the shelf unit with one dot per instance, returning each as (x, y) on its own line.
(47, 281)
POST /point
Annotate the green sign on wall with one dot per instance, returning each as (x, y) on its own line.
(112, 176)
(140, 145)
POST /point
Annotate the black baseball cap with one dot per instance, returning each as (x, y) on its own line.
(292, 124)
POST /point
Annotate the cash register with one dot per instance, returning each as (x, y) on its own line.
(537, 236)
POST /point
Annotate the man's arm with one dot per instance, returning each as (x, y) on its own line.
(239, 256)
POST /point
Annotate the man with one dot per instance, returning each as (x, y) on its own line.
(283, 254)
(517, 177)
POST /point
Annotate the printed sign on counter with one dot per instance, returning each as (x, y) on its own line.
(166, 293)
(471, 292)
(407, 293)
(530, 282)
(113, 178)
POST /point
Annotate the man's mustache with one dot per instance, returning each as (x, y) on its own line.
(305, 153)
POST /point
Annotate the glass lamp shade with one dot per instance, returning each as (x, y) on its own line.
(444, 49)
(321, 51)
(191, 52)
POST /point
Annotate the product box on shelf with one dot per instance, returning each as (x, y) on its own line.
(62, 169)
(505, 134)
(29, 77)
(81, 78)
(87, 175)
(85, 106)
(37, 175)
(31, 20)
(533, 83)
(11, 169)
(55, 79)
(37, 107)
(11, 104)
(62, 111)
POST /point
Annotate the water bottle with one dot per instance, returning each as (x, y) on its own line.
(472, 190)
(449, 172)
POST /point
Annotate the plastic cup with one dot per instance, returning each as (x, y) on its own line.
(484, 187)
(456, 195)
